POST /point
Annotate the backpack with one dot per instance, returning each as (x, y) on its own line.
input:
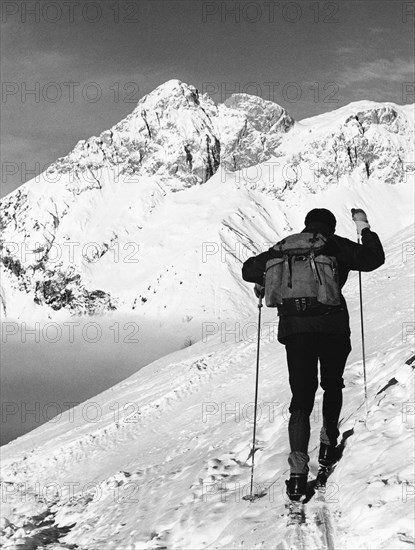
(302, 279)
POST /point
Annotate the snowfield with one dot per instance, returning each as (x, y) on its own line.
(184, 191)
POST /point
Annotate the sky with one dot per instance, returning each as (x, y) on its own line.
(73, 68)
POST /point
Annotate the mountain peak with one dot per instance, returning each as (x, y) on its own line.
(261, 113)
(173, 92)
(240, 99)
(172, 84)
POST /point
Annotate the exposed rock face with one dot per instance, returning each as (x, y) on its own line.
(177, 133)
(264, 124)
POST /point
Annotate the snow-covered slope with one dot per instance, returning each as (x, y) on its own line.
(160, 459)
(155, 215)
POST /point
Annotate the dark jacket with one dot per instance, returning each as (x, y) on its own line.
(350, 255)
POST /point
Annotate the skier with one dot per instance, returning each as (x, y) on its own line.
(317, 336)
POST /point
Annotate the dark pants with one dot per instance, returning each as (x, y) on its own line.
(303, 353)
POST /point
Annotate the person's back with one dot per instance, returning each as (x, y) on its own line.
(322, 337)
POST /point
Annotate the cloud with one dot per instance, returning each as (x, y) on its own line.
(396, 70)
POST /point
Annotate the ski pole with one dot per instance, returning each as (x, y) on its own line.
(363, 331)
(356, 211)
(252, 497)
(363, 337)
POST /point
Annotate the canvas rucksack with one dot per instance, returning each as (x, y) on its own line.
(302, 279)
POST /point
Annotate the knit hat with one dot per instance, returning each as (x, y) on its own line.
(321, 215)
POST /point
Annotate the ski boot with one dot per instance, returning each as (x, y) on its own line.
(296, 491)
(327, 458)
(321, 479)
(296, 486)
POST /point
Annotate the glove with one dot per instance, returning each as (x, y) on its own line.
(360, 219)
(259, 291)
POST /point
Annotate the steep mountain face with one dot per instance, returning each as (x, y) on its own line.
(265, 124)
(179, 135)
(156, 214)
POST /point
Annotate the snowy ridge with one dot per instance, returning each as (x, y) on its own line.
(167, 470)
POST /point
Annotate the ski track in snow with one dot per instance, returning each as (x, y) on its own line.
(316, 532)
(165, 475)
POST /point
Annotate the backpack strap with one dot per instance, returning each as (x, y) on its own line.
(314, 268)
(287, 267)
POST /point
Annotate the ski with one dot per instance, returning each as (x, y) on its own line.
(323, 518)
(324, 521)
(304, 530)
(296, 513)
(294, 538)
